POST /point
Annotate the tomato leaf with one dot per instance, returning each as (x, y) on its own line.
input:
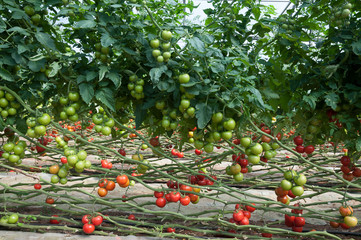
(310, 100)
(358, 144)
(356, 47)
(203, 114)
(197, 44)
(102, 71)
(156, 73)
(6, 75)
(331, 100)
(116, 78)
(46, 40)
(86, 92)
(140, 115)
(85, 24)
(55, 67)
(106, 96)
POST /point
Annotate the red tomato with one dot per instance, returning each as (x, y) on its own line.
(238, 215)
(244, 221)
(247, 214)
(251, 209)
(85, 219)
(170, 230)
(345, 160)
(289, 220)
(37, 186)
(344, 226)
(357, 172)
(267, 235)
(97, 220)
(158, 194)
(167, 197)
(309, 149)
(161, 202)
(298, 140)
(300, 221)
(300, 149)
(54, 221)
(88, 228)
(131, 217)
(297, 229)
(175, 196)
(334, 224)
(185, 200)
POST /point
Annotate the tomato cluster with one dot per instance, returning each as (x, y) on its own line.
(102, 53)
(201, 180)
(348, 169)
(8, 104)
(90, 222)
(37, 127)
(242, 214)
(348, 219)
(155, 43)
(296, 222)
(12, 219)
(71, 105)
(302, 149)
(135, 86)
(341, 15)
(14, 152)
(103, 124)
(174, 196)
(291, 186)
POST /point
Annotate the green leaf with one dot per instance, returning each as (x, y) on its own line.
(35, 66)
(106, 40)
(86, 92)
(91, 75)
(331, 100)
(140, 115)
(55, 67)
(310, 100)
(85, 24)
(102, 71)
(46, 40)
(356, 47)
(358, 144)
(5, 75)
(257, 97)
(203, 114)
(116, 78)
(256, 12)
(106, 96)
(21, 125)
(217, 67)
(156, 73)
(19, 30)
(197, 44)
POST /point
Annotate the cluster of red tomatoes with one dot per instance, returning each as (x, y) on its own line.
(106, 164)
(302, 149)
(241, 215)
(242, 161)
(175, 196)
(90, 223)
(348, 169)
(202, 180)
(296, 223)
(177, 153)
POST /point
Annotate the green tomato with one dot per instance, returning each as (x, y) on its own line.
(82, 155)
(156, 53)
(14, 158)
(138, 88)
(54, 179)
(63, 115)
(166, 55)
(40, 130)
(87, 164)
(6, 155)
(235, 169)
(185, 103)
(70, 111)
(208, 147)
(22, 143)
(3, 102)
(286, 185)
(266, 146)
(230, 124)
(18, 150)
(228, 170)
(12, 111)
(165, 123)
(198, 144)
(184, 78)
(98, 128)
(227, 135)
(13, 218)
(106, 131)
(97, 118)
(44, 119)
(80, 165)
(217, 117)
(191, 111)
(155, 43)
(300, 180)
(73, 96)
(290, 174)
(275, 146)
(166, 46)
(4, 219)
(63, 180)
(254, 159)
(29, 10)
(8, 147)
(4, 113)
(217, 136)
(63, 172)
(268, 155)
(256, 149)
(297, 190)
(160, 105)
(245, 141)
(110, 123)
(31, 133)
(31, 122)
(74, 117)
(72, 160)
(69, 151)
(238, 177)
(166, 35)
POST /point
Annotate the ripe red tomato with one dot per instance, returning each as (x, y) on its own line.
(180, 154)
(244, 221)
(291, 195)
(344, 226)
(102, 192)
(154, 141)
(283, 199)
(186, 188)
(300, 149)
(161, 202)
(110, 186)
(345, 211)
(334, 224)
(185, 200)
(97, 220)
(309, 149)
(170, 230)
(267, 235)
(281, 192)
(357, 172)
(247, 214)
(103, 182)
(298, 140)
(198, 152)
(348, 176)
(238, 215)
(49, 200)
(122, 179)
(345, 169)
(85, 219)
(251, 209)
(167, 197)
(158, 194)
(175, 196)
(37, 186)
(122, 152)
(289, 220)
(345, 160)
(279, 136)
(297, 229)
(88, 228)
(243, 162)
(300, 221)
(63, 160)
(131, 217)
(54, 221)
